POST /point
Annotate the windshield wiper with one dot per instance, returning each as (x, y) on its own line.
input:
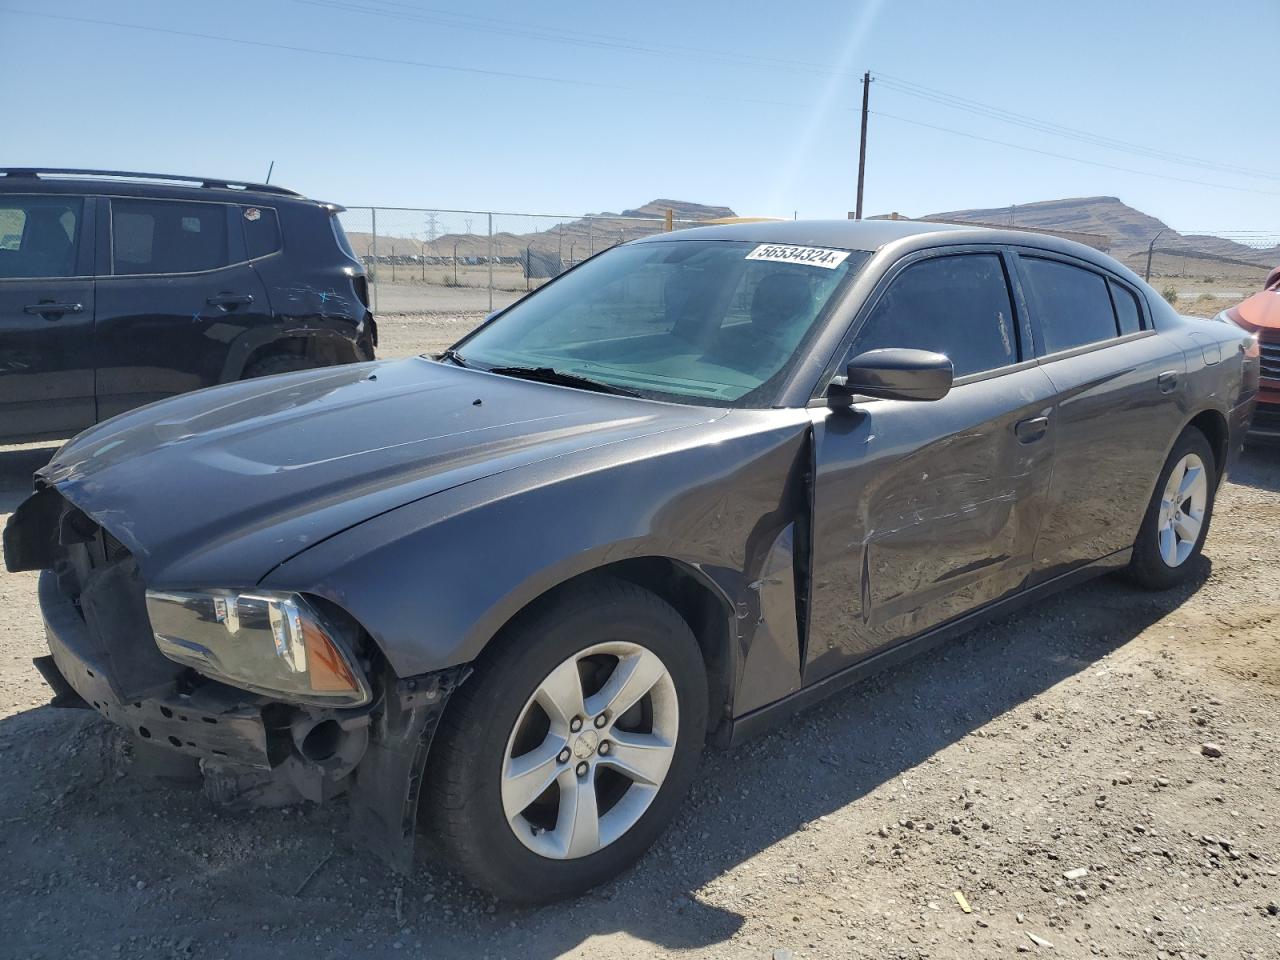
(563, 378)
(453, 356)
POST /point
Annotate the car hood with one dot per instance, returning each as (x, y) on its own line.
(243, 477)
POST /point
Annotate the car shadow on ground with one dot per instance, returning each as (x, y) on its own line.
(1259, 467)
(264, 883)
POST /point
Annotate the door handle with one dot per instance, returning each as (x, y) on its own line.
(1031, 429)
(229, 301)
(52, 311)
(1168, 381)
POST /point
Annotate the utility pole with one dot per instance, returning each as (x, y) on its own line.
(1151, 248)
(862, 143)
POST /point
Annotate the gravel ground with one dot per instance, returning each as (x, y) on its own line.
(1069, 738)
(404, 335)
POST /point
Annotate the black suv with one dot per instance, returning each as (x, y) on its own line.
(117, 289)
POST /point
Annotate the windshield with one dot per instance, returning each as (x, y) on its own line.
(705, 321)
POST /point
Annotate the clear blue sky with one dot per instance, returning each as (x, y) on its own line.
(751, 105)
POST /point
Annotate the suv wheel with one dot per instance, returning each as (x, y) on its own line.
(278, 363)
(1177, 519)
(568, 751)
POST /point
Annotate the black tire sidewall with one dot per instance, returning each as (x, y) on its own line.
(508, 677)
(279, 363)
(1147, 566)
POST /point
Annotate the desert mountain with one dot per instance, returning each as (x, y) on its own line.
(1127, 230)
(566, 242)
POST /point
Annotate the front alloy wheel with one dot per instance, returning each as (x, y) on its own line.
(571, 746)
(590, 751)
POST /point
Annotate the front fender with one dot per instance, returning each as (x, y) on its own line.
(434, 581)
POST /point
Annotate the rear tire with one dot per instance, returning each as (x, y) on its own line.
(278, 363)
(525, 791)
(1177, 519)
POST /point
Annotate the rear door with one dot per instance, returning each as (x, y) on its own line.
(925, 511)
(176, 294)
(1116, 411)
(46, 315)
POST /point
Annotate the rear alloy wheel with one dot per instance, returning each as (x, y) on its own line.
(1182, 510)
(571, 746)
(1177, 520)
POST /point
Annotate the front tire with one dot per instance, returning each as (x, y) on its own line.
(570, 748)
(1177, 519)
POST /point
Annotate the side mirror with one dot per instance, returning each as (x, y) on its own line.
(896, 374)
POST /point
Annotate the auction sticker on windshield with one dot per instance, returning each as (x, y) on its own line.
(810, 256)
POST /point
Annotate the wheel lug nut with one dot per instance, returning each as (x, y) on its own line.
(601, 721)
(564, 755)
(575, 724)
(603, 748)
(582, 769)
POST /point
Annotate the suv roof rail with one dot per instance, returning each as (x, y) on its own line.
(36, 173)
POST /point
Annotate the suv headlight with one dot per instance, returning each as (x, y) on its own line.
(272, 643)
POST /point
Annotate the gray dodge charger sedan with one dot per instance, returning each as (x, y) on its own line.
(695, 483)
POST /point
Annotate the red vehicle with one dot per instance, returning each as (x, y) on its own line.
(1260, 315)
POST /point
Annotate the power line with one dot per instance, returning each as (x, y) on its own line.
(1046, 126)
(397, 61)
(898, 84)
(1062, 156)
(606, 85)
(411, 12)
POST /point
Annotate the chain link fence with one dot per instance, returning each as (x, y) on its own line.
(423, 261)
(436, 272)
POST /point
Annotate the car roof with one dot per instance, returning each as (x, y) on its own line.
(128, 184)
(872, 235)
(848, 234)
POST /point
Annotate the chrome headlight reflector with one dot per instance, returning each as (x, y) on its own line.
(272, 643)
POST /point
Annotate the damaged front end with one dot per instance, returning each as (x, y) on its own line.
(263, 688)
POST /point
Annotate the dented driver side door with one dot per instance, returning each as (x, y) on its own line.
(926, 511)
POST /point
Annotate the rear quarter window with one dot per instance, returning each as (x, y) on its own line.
(1128, 314)
(340, 236)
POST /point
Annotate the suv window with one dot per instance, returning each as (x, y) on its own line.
(1127, 312)
(1070, 304)
(956, 305)
(39, 236)
(167, 236)
(261, 231)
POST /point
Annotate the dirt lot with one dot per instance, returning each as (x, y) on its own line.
(1068, 737)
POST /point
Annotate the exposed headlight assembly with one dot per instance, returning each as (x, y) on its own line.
(272, 643)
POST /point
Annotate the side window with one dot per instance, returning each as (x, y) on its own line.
(1127, 312)
(167, 236)
(261, 231)
(1070, 304)
(39, 236)
(956, 305)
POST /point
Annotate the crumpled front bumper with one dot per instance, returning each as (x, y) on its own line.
(382, 766)
(212, 721)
